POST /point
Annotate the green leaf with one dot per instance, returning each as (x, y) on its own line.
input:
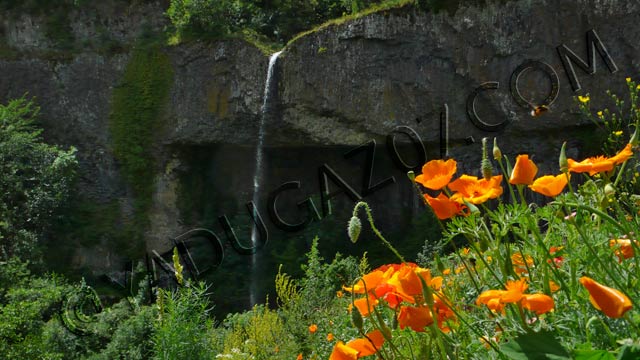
(593, 355)
(629, 352)
(530, 346)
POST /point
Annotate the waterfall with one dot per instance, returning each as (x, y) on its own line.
(270, 88)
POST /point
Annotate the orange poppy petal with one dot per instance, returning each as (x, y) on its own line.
(549, 185)
(474, 190)
(368, 282)
(538, 303)
(369, 345)
(625, 249)
(524, 171)
(489, 295)
(622, 156)
(436, 174)
(361, 305)
(417, 318)
(343, 352)
(443, 207)
(610, 301)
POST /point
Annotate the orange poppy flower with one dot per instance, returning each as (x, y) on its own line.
(491, 298)
(443, 207)
(443, 312)
(597, 164)
(524, 171)
(496, 299)
(361, 305)
(313, 328)
(521, 265)
(406, 280)
(538, 303)
(436, 174)
(343, 352)
(299, 357)
(592, 165)
(549, 185)
(417, 318)
(369, 281)
(330, 337)
(514, 290)
(553, 286)
(611, 302)
(625, 249)
(474, 190)
(622, 156)
(368, 345)
(358, 348)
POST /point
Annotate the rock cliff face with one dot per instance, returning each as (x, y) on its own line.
(338, 87)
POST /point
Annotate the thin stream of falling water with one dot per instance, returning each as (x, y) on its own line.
(257, 174)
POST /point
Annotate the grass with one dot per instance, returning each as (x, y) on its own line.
(384, 6)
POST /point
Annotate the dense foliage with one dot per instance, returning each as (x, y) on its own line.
(36, 180)
(134, 120)
(278, 20)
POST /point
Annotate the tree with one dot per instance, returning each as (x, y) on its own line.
(36, 180)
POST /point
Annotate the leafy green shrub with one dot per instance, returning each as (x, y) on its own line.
(27, 304)
(184, 328)
(258, 334)
(36, 180)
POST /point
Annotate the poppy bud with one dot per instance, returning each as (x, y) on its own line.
(485, 165)
(609, 190)
(497, 154)
(354, 229)
(564, 165)
(356, 319)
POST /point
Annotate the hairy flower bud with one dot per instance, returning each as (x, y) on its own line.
(354, 229)
(497, 154)
(485, 165)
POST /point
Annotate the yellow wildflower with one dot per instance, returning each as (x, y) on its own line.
(617, 133)
(583, 99)
(628, 79)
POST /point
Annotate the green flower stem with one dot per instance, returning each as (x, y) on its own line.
(597, 258)
(507, 175)
(375, 229)
(463, 320)
(620, 172)
(464, 263)
(602, 214)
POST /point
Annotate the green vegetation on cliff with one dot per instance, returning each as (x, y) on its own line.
(134, 120)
